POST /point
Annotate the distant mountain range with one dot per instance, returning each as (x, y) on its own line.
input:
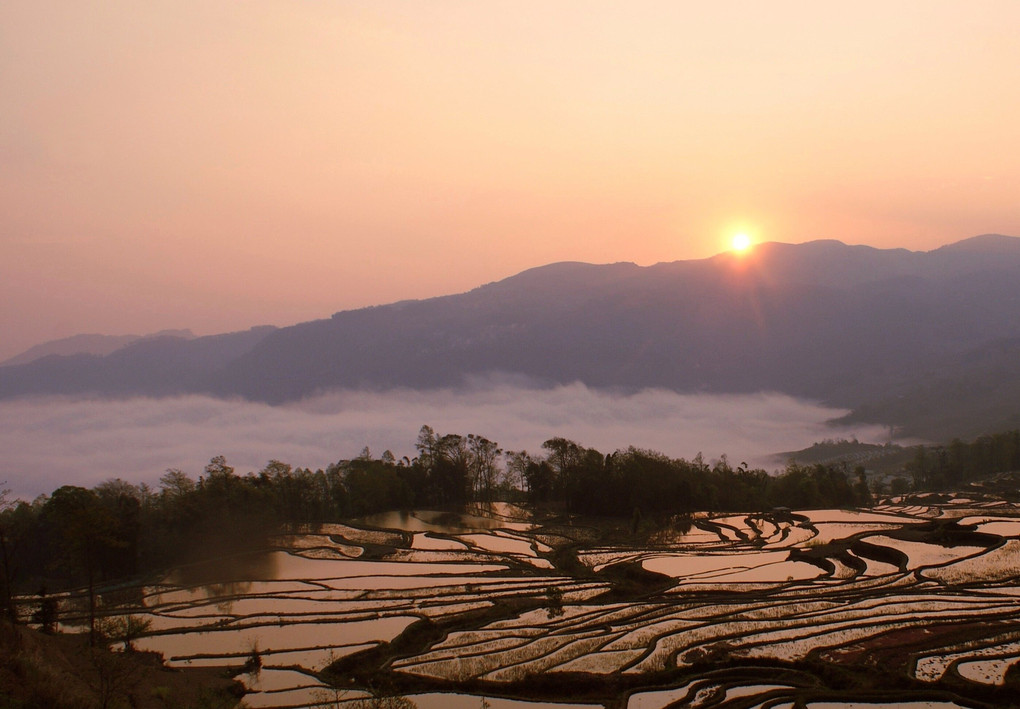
(925, 341)
(87, 344)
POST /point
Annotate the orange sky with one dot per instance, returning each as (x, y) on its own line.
(216, 165)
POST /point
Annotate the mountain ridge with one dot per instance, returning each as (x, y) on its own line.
(844, 325)
(86, 343)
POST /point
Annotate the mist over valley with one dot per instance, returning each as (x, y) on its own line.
(52, 441)
(887, 334)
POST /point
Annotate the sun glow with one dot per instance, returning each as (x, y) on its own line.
(740, 242)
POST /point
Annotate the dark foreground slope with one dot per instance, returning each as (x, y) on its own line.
(849, 325)
(63, 672)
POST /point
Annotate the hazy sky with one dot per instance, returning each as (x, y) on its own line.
(217, 165)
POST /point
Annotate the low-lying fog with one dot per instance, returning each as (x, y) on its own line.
(46, 443)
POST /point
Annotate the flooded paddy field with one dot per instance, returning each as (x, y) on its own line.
(913, 603)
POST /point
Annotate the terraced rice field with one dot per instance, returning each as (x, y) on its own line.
(914, 603)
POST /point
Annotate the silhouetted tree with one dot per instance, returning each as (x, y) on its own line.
(84, 529)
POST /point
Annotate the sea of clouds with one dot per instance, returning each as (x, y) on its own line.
(49, 442)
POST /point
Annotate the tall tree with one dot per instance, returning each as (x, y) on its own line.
(7, 562)
(84, 528)
(484, 466)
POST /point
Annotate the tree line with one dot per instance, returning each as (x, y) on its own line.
(83, 537)
(959, 462)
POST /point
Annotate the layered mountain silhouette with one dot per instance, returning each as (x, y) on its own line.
(852, 326)
(94, 344)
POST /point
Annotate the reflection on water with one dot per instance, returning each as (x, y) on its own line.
(300, 611)
(444, 700)
(437, 521)
(226, 575)
(294, 634)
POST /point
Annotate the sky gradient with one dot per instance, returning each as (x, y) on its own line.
(218, 165)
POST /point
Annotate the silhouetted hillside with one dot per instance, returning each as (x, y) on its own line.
(85, 344)
(153, 366)
(964, 396)
(825, 320)
(847, 325)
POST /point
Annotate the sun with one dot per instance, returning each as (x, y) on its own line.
(740, 242)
